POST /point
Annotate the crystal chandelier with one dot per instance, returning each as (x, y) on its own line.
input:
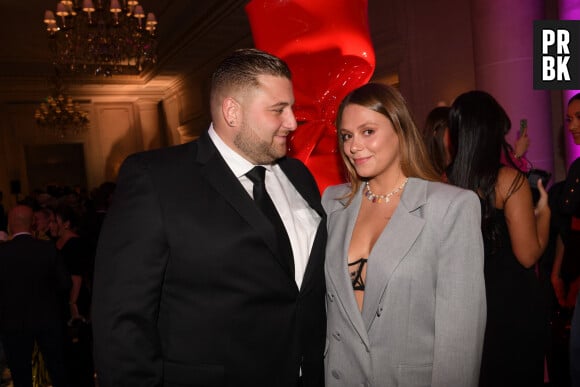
(101, 37)
(60, 114)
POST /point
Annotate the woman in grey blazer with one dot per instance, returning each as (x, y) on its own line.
(404, 259)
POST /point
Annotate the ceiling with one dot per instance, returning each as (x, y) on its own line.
(193, 35)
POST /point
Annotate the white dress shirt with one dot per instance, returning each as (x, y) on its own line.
(300, 220)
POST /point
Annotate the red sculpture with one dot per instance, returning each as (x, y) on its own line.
(327, 46)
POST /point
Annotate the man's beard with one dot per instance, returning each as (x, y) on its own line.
(255, 149)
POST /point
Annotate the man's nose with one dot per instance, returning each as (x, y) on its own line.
(290, 121)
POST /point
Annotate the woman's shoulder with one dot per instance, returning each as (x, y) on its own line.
(340, 189)
(509, 182)
(333, 197)
(449, 192)
(507, 174)
(445, 200)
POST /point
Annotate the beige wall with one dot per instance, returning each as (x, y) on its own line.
(116, 130)
(122, 122)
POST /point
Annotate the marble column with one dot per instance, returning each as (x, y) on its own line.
(503, 50)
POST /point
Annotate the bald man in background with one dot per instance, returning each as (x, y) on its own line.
(31, 290)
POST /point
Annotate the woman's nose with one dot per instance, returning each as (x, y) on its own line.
(355, 146)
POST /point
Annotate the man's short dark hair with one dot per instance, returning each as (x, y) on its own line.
(242, 68)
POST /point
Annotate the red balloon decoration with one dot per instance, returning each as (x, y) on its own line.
(328, 48)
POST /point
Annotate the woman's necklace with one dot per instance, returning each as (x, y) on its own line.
(379, 198)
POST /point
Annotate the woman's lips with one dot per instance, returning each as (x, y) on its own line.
(360, 160)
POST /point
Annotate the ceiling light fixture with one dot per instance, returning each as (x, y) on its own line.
(101, 37)
(59, 113)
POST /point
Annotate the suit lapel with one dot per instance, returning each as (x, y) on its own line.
(392, 246)
(307, 188)
(217, 173)
(341, 227)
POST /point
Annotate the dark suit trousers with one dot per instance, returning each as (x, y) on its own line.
(18, 349)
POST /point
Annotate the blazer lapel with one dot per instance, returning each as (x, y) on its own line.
(221, 178)
(392, 246)
(341, 229)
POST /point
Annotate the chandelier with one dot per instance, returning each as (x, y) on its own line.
(60, 114)
(101, 37)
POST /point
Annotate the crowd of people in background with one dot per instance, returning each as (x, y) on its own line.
(69, 220)
(530, 294)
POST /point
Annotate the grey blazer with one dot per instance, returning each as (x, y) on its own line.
(424, 311)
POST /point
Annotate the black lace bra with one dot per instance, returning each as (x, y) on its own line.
(355, 270)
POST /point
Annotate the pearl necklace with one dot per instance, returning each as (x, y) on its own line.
(379, 198)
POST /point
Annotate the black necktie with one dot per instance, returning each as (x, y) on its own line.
(264, 202)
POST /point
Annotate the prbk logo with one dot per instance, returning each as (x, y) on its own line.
(556, 52)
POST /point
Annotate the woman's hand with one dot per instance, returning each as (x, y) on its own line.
(559, 290)
(542, 205)
(74, 312)
(521, 145)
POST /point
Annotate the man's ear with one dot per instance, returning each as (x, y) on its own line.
(231, 111)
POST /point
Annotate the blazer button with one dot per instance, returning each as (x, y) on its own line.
(330, 297)
(337, 336)
(379, 311)
(335, 374)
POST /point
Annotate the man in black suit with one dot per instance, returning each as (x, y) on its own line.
(33, 283)
(193, 285)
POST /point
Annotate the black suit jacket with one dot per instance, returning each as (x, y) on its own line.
(188, 288)
(32, 284)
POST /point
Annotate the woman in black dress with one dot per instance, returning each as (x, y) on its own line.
(76, 256)
(515, 236)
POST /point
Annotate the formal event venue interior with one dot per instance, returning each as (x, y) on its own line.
(86, 83)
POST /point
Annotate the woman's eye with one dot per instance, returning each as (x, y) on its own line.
(368, 132)
(345, 136)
